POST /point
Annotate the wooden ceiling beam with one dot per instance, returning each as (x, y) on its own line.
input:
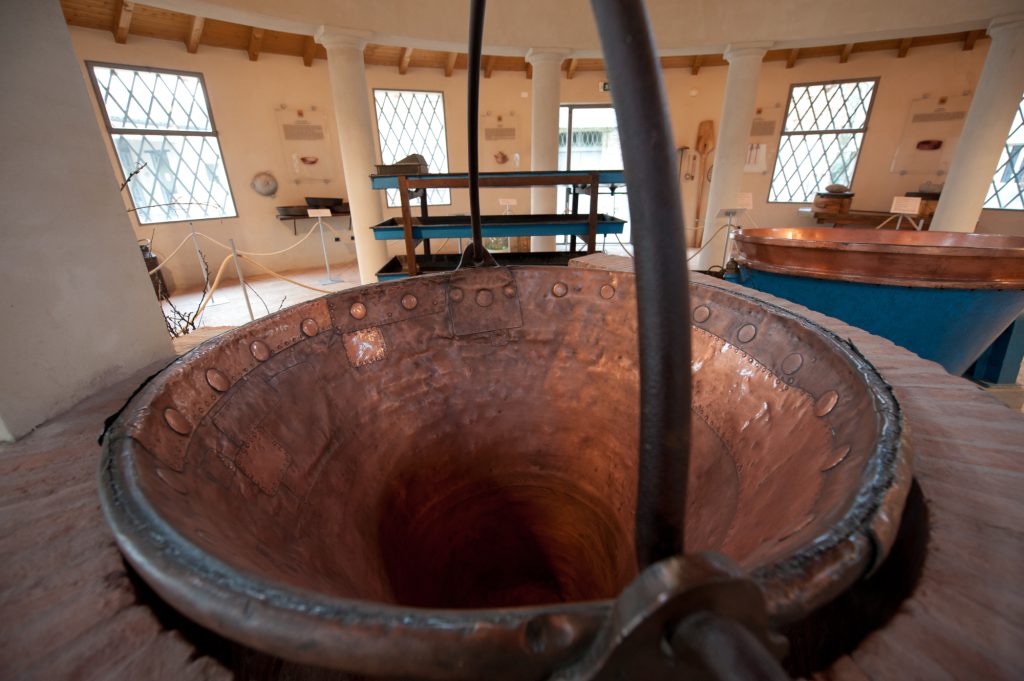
(195, 32)
(255, 43)
(570, 69)
(904, 47)
(449, 65)
(844, 56)
(791, 57)
(698, 61)
(970, 38)
(403, 61)
(123, 20)
(488, 65)
(308, 50)
(529, 71)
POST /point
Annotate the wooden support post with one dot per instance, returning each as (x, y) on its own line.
(791, 57)
(698, 61)
(255, 43)
(529, 71)
(489, 65)
(970, 38)
(844, 56)
(410, 246)
(570, 70)
(308, 51)
(403, 61)
(592, 219)
(195, 32)
(123, 20)
(449, 67)
(904, 47)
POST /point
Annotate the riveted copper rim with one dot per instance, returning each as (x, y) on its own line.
(844, 528)
(904, 258)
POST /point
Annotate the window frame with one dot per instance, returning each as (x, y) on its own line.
(1011, 158)
(111, 131)
(380, 148)
(782, 131)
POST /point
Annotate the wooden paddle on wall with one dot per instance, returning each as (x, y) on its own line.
(704, 146)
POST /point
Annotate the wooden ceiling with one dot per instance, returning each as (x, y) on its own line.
(124, 18)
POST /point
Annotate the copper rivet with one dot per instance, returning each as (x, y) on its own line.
(358, 310)
(484, 297)
(259, 350)
(217, 380)
(837, 457)
(409, 301)
(169, 480)
(746, 333)
(701, 314)
(826, 403)
(509, 291)
(607, 291)
(559, 289)
(310, 327)
(176, 421)
(455, 294)
(792, 363)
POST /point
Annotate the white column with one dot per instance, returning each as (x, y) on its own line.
(731, 146)
(352, 113)
(546, 96)
(995, 102)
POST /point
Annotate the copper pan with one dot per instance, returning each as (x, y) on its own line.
(905, 258)
(436, 478)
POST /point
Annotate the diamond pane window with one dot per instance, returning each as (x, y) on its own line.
(410, 122)
(1007, 188)
(160, 125)
(820, 142)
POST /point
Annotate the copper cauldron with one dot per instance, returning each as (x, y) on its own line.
(436, 478)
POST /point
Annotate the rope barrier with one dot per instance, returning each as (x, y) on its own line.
(262, 255)
(282, 277)
(173, 253)
(209, 294)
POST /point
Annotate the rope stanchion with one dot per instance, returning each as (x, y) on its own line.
(209, 294)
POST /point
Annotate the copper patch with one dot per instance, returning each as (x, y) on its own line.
(177, 422)
(365, 347)
(263, 461)
(309, 327)
(260, 350)
(217, 380)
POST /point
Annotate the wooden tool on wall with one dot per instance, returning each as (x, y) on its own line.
(704, 146)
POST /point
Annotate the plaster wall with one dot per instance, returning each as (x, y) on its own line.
(78, 309)
(245, 94)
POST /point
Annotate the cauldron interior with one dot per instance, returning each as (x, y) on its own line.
(469, 441)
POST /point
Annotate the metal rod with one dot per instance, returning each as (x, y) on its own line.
(323, 245)
(241, 278)
(661, 275)
(724, 648)
(476, 34)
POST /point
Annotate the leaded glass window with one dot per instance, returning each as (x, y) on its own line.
(161, 126)
(1007, 188)
(821, 138)
(411, 122)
